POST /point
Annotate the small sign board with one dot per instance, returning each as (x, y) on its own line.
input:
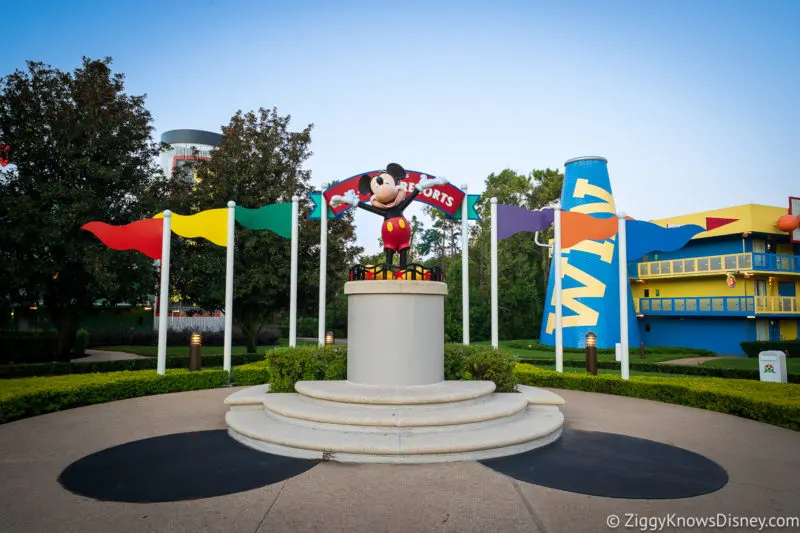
(794, 209)
(772, 366)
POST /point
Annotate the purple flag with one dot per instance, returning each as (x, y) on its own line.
(512, 219)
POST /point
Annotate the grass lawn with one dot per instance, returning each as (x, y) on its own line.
(537, 354)
(751, 363)
(605, 371)
(541, 354)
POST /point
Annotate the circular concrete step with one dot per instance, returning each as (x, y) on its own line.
(485, 408)
(528, 429)
(347, 392)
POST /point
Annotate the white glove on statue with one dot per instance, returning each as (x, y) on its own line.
(426, 183)
(350, 197)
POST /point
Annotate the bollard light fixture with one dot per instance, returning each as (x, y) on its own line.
(329, 338)
(591, 340)
(591, 353)
(195, 349)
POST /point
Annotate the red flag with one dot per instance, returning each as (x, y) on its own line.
(4, 151)
(143, 235)
(714, 223)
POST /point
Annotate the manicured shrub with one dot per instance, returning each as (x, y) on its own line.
(753, 348)
(688, 370)
(62, 368)
(256, 373)
(81, 343)
(28, 346)
(486, 364)
(20, 398)
(305, 363)
(773, 403)
(286, 366)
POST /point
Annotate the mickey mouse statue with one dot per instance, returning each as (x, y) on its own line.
(389, 199)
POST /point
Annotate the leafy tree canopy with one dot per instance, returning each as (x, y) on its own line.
(259, 162)
(81, 150)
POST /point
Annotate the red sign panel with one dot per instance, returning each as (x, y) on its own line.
(448, 197)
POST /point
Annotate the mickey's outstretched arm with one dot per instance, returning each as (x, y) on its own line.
(410, 198)
(421, 186)
(351, 198)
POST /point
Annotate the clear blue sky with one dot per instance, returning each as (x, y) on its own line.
(694, 103)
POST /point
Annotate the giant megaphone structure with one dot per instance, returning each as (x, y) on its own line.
(590, 269)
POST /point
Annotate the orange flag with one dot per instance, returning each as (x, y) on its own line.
(577, 227)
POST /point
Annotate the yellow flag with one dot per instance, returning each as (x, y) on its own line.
(211, 224)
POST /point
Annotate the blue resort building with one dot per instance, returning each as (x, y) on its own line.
(737, 282)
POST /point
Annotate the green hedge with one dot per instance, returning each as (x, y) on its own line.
(687, 370)
(251, 374)
(790, 348)
(772, 403)
(286, 366)
(525, 345)
(58, 369)
(28, 346)
(21, 398)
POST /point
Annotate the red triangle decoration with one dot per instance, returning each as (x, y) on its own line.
(714, 223)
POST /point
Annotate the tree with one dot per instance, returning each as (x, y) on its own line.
(81, 151)
(522, 265)
(259, 162)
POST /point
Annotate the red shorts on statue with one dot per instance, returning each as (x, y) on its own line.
(396, 234)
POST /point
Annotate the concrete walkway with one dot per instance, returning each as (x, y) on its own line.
(94, 356)
(762, 463)
(694, 360)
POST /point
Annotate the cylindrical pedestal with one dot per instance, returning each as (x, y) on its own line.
(395, 332)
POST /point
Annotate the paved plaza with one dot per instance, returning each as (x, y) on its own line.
(164, 463)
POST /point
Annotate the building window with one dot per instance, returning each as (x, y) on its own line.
(647, 293)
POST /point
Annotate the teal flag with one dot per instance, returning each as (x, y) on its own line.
(276, 218)
(472, 199)
(317, 199)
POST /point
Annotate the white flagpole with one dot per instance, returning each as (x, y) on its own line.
(323, 267)
(557, 288)
(465, 267)
(623, 296)
(293, 286)
(226, 358)
(163, 297)
(493, 214)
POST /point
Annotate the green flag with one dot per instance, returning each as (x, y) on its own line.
(274, 217)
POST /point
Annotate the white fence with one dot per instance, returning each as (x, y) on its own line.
(193, 323)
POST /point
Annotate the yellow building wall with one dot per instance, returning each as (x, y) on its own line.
(683, 287)
(751, 217)
(708, 286)
(789, 329)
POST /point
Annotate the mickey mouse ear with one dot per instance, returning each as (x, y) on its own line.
(396, 171)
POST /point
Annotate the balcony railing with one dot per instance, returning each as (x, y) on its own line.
(720, 306)
(777, 305)
(718, 264)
